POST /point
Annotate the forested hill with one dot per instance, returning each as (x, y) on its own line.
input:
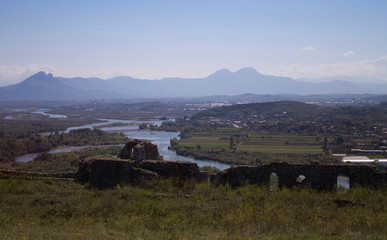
(291, 110)
(260, 110)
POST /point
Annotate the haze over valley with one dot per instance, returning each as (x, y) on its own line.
(44, 86)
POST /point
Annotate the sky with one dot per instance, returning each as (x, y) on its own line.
(157, 39)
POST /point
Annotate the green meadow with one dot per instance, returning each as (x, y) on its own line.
(247, 148)
(281, 149)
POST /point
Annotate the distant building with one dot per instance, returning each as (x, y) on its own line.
(356, 150)
(363, 159)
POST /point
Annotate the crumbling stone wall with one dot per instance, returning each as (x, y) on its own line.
(105, 173)
(139, 150)
(322, 177)
(181, 170)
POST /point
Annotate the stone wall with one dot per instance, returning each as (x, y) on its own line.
(104, 172)
(318, 176)
(181, 170)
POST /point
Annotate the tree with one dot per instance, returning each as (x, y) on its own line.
(231, 142)
(325, 146)
(339, 140)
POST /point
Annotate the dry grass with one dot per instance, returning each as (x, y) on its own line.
(167, 209)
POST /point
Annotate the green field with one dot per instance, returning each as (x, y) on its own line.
(205, 145)
(281, 149)
(207, 142)
(255, 143)
(166, 209)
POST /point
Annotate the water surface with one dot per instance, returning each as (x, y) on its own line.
(159, 138)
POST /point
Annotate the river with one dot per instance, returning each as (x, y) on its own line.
(160, 138)
(50, 115)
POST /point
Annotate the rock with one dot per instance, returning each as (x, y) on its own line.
(139, 150)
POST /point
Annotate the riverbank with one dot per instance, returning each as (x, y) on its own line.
(130, 129)
(204, 157)
(62, 149)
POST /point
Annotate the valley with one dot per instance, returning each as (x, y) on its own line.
(254, 134)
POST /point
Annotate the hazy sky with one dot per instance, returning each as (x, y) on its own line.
(156, 39)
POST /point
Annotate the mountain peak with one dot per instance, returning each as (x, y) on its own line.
(40, 86)
(41, 78)
(221, 73)
(42, 74)
(248, 71)
(223, 70)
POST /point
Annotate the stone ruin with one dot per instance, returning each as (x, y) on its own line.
(317, 176)
(142, 161)
(138, 159)
(105, 173)
(139, 150)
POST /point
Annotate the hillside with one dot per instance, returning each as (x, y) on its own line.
(289, 109)
(293, 111)
(40, 86)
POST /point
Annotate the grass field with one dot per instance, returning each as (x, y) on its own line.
(57, 209)
(206, 142)
(256, 143)
(281, 149)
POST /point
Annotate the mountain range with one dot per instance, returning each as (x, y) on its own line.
(42, 86)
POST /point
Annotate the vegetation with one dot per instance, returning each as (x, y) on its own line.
(166, 209)
(58, 162)
(149, 126)
(32, 208)
(22, 127)
(239, 146)
(284, 131)
(11, 147)
(248, 158)
(132, 111)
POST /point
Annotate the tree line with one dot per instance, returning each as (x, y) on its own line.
(11, 147)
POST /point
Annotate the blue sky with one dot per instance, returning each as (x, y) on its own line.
(156, 39)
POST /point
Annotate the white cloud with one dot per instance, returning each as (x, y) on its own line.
(14, 74)
(349, 53)
(308, 48)
(376, 68)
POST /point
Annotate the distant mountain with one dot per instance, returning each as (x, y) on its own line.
(355, 79)
(223, 82)
(361, 84)
(42, 86)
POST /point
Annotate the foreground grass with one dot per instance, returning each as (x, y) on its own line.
(165, 209)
